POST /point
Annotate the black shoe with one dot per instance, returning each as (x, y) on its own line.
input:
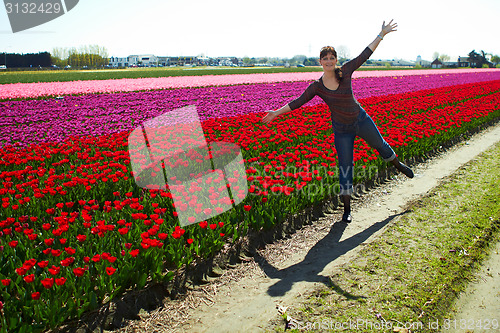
(346, 217)
(406, 170)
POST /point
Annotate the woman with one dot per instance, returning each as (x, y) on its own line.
(349, 119)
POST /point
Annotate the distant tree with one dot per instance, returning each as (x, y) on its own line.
(473, 58)
(276, 61)
(298, 59)
(444, 58)
(88, 55)
(58, 62)
(311, 62)
(495, 59)
(435, 56)
(86, 59)
(14, 60)
(485, 61)
(478, 60)
(343, 52)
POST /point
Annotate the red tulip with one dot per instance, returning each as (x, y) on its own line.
(78, 271)
(81, 238)
(48, 282)
(29, 278)
(110, 270)
(21, 271)
(54, 270)
(60, 281)
(43, 264)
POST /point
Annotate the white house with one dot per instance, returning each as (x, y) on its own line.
(437, 64)
(148, 60)
(118, 62)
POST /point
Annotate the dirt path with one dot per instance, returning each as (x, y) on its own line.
(244, 299)
(478, 308)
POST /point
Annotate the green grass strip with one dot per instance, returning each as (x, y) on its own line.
(410, 275)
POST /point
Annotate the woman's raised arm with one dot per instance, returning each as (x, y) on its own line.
(385, 30)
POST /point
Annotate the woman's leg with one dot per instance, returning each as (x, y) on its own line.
(369, 132)
(402, 168)
(344, 144)
(346, 217)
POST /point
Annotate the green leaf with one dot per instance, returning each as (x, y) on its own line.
(115, 292)
(169, 276)
(83, 308)
(93, 301)
(142, 280)
(13, 322)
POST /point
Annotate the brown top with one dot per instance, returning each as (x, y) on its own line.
(344, 108)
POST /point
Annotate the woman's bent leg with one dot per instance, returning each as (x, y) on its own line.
(370, 133)
(402, 168)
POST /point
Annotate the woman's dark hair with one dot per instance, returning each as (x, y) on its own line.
(324, 52)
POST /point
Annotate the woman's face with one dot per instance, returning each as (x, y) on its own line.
(328, 62)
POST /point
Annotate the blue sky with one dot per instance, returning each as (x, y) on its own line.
(258, 28)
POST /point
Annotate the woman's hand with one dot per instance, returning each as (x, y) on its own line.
(269, 116)
(388, 28)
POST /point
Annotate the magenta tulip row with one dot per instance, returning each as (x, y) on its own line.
(53, 120)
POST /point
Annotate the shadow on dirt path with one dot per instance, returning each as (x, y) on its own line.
(319, 256)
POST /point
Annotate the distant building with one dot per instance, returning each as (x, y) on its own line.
(118, 62)
(423, 63)
(402, 63)
(203, 61)
(147, 60)
(228, 61)
(453, 62)
(163, 61)
(134, 61)
(436, 64)
(182, 61)
(463, 62)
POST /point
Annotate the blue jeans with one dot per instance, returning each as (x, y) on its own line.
(365, 128)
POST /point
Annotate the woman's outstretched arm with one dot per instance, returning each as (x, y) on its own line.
(306, 96)
(385, 30)
(273, 114)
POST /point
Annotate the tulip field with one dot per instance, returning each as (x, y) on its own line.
(75, 229)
